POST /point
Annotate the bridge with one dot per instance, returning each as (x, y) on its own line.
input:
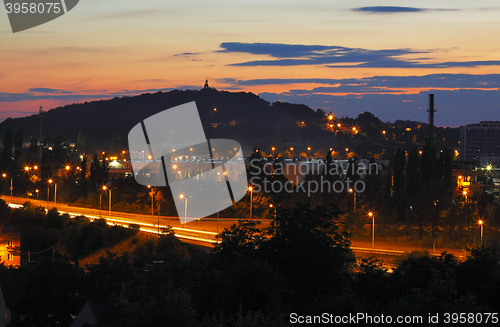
(202, 232)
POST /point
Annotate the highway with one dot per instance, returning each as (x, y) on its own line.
(199, 234)
(202, 232)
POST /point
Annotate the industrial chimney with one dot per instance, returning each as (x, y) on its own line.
(431, 111)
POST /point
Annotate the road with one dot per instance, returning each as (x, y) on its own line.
(201, 232)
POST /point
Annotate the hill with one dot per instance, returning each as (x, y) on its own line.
(241, 116)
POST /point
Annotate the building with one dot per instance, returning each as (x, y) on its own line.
(481, 142)
(10, 247)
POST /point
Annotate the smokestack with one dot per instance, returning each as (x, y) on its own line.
(431, 111)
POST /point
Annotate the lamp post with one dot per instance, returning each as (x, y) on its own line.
(353, 199)
(251, 200)
(465, 194)
(480, 222)
(152, 195)
(106, 188)
(370, 214)
(55, 190)
(159, 202)
(182, 196)
(217, 225)
(5, 175)
(273, 207)
(100, 204)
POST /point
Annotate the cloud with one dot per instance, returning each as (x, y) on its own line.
(48, 90)
(128, 14)
(388, 9)
(338, 57)
(56, 94)
(450, 81)
(125, 92)
(396, 9)
(149, 80)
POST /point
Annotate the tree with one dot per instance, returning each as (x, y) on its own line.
(51, 296)
(18, 143)
(311, 252)
(412, 173)
(8, 144)
(98, 173)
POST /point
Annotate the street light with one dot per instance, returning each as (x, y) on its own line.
(55, 190)
(465, 195)
(11, 188)
(151, 194)
(100, 204)
(106, 188)
(370, 214)
(353, 199)
(182, 197)
(273, 207)
(480, 222)
(250, 188)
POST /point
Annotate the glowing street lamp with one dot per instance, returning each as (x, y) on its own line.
(372, 216)
(55, 190)
(100, 203)
(4, 175)
(465, 194)
(273, 207)
(250, 188)
(183, 197)
(152, 197)
(480, 222)
(104, 189)
(353, 199)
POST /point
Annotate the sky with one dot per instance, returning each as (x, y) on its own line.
(346, 57)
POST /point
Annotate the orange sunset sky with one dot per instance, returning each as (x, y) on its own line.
(343, 56)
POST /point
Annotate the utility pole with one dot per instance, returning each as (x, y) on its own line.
(40, 115)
